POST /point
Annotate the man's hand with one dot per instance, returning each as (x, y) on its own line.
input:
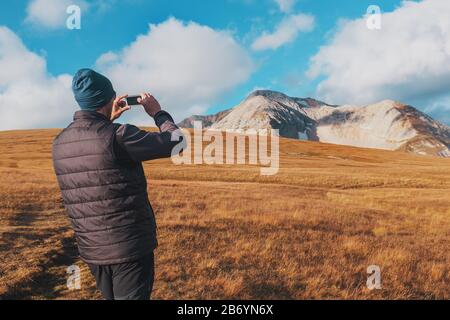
(151, 105)
(119, 107)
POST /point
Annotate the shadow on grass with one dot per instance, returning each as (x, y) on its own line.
(43, 284)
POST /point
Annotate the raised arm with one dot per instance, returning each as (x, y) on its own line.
(141, 145)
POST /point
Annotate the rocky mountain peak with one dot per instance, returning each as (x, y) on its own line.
(269, 94)
(389, 124)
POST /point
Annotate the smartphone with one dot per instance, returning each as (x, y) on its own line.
(133, 100)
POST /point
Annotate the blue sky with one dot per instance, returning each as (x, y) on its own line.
(111, 26)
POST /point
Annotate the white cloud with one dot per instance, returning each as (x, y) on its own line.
(407, 60)
(186, 66)
(286, 6)
(51, 13)
(286, 32)
(29, 96)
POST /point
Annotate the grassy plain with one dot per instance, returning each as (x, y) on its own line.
(226, 232)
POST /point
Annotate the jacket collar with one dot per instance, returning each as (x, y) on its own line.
(90, 115)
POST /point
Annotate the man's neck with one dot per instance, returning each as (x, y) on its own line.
(103, 112)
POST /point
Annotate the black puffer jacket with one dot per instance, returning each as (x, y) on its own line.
(104, 189)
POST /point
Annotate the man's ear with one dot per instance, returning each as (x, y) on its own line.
(109, 106)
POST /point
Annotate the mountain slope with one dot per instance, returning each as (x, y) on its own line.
(207, 121)
(385, 125)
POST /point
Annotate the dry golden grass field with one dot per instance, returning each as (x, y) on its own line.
(226, 232)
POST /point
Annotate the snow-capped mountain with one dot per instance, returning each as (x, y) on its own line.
(386, 125)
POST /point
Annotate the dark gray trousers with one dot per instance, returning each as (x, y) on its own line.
(126, 281)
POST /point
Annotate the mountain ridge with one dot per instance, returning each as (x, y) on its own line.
(388, 125)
